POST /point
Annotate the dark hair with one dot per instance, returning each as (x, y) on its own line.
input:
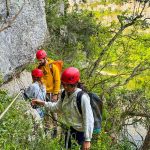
(82, 86)
(36, 78)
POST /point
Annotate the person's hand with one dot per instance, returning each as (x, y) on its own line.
(37, 102)
(86, 145)
(54, 98)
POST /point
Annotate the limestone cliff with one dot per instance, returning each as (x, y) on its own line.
(23, 29)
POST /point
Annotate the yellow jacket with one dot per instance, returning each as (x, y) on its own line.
(51, 77)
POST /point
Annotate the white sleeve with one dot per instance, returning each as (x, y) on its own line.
(54, 106)
(88, 120)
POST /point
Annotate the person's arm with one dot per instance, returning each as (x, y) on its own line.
(37, 102)
(88, 120)
(48, 105)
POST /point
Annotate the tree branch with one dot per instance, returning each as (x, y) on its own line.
(136, 71)
(7, 8)
(112, 40)
(137, 114)
(10, 22)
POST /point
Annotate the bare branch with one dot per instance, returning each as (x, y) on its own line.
(132, 123)
(139, 134)
(7, 8)
(138, 114)
(136, 71)
(10, 22)
(143, 7)
(146, 19)
(106, 80)
(104, 51)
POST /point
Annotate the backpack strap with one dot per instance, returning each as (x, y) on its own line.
(63, 95)
(78, 100)
(51, 68)
(79, 96)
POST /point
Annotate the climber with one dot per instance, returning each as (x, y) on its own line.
(36, 89)
(80, 126)
(51, 79)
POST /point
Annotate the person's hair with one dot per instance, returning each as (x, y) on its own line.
(82, 86)
(72, 85)
(36, 79)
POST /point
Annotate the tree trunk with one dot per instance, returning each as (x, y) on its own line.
(146, 144)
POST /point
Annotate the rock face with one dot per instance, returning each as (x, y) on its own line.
(23, 29)
(21, 82)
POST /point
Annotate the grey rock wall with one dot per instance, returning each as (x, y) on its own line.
(21, 82)
(23, 29)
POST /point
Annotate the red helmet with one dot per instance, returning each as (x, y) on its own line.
(40, 54)
(70, 75)
(37, 73)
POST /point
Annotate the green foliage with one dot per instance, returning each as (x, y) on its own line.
(1, 79)
(12, 133)
(31, 66)
(81, 37)
(102, 141)
(70, 32)
(3, 99)
(121, 77)
(118, 1)
(16, 130)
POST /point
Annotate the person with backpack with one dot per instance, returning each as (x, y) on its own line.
(51, 79)
(80, 126)
(36, 90)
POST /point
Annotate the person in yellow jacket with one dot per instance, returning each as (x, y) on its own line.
(51, 79)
